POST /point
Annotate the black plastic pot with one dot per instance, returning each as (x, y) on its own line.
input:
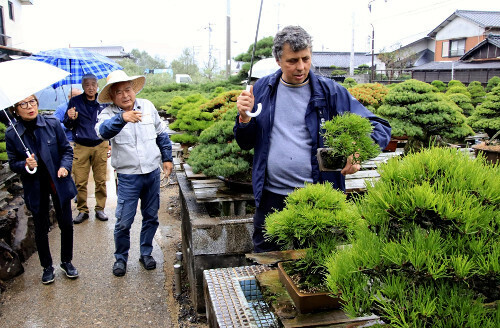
(327, 162)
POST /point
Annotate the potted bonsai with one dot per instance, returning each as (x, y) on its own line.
(486, 117)
(218, 155)
(425, 116)
(429, 257)
(319, 219)
(346, 135)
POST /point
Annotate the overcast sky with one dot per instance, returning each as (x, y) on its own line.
(165, 27)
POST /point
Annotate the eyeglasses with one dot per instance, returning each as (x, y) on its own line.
(24, 105)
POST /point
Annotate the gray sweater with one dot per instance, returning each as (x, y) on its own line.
(289, 160)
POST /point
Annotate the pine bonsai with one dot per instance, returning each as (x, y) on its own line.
(492, 83)
(440, 85)
(430, 254)
(486, 117)
(217, 154)
(347, 135)
(463, 101)
(477, 92)
(370, 95)
(190, 118)
(317, 218)
(417, 110)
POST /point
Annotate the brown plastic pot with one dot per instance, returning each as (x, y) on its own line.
(307, 302)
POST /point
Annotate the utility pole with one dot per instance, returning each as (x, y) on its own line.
(228, 40)
(351, 62)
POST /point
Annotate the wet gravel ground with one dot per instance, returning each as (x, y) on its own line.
(97, 298)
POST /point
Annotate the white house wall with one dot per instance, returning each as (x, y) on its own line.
(459, 28)
(13, 27)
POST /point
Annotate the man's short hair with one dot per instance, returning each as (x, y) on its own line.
(89, 76)
(295, 36)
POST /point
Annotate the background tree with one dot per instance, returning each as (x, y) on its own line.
(397, 60)
(263, 49)
(185, 64)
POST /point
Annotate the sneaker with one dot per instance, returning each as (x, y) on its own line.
(119, 268)
(69, 269)
(81, 217)
(148, 262)
(48, 275)
(100, 215)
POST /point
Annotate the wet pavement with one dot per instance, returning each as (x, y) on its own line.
(97, 298)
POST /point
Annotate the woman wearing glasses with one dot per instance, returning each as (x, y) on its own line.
(46, 172)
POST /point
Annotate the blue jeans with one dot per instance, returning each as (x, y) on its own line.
(131, 188)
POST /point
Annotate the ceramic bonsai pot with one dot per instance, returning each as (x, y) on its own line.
(307, 302)
(327, 162)
(391, 147)
(492, 153)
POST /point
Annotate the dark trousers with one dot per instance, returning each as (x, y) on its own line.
(42, 226)
(269, 203)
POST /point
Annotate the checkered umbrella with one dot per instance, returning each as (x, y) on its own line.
(78, 62)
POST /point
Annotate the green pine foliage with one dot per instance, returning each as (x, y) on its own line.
(486, 117)
(191, 119)
(317, 218)
(349, 82)
(458, 89)
(455, 83)
(3, 153)
(440, 85)
(349, 134)
(463, 101)
(492, 83)
(417, 110)
(477, 93)
(217, 153)
(429, 257)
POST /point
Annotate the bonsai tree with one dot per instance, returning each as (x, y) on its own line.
(463, 101)
(440, 85)
(417, 110)
(370, 95)
(486, 117)
(347, 135)
(477, 92)
(492, 83)
(317, 218)
(349, 82)
(430, 254)
(217, 154)
(190, 119)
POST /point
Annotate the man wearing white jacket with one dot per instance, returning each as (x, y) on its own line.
(139, 143)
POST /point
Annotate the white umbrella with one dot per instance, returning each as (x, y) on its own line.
(22, 78)
(264, 67)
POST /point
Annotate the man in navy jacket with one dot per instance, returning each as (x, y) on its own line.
(90, 151)
(286, 135)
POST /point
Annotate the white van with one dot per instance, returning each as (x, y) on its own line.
(183, 78)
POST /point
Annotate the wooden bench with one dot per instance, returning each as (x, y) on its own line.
(208, 190)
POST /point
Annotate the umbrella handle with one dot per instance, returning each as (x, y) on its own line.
(30, 171)
(259, 107)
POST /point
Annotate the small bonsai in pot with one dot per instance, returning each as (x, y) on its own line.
(317, 218)
(430, 255)
(346, 135)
